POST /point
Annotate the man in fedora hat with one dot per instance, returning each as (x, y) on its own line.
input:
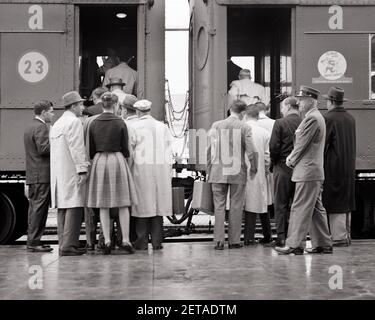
(69, 168)
(124, 72)
(339, 166)
(307, 214)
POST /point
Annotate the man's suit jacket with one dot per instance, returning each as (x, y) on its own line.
(126, 74)
(307, 156)
(37, 148)
(229, 140)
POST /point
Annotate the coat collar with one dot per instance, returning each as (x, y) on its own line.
(39, 119)
(132, 117)
(147, 116)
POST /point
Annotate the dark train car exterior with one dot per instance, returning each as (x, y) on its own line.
(316, 43)
(40, 51)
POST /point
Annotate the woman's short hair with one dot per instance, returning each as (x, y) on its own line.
(109, 99)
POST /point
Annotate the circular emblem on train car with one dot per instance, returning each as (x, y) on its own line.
(332, 65)
(33, 66)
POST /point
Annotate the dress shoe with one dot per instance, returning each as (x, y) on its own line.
(265, 241)
(72, 252)
(90, 247)
(80, 249)
(157, 247)
(219, 245)
(235, 245)
(326, 250)
(126, 248)
(106, 250)
(46, 246)
(250, 242)
(341, 243)
(289, 250)
(38, 249)
(275, 243)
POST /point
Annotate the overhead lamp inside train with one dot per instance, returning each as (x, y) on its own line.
(121, 15)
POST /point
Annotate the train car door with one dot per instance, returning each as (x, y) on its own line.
(134, 28)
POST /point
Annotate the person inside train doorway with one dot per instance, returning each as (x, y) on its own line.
(247, 90)
(256, 195)
(307, 214)
(339, 166)
(281, 145)
(224, 173)
(125, 72)
(152, 172)
(69, 168)
(109, 62)
(37, 149)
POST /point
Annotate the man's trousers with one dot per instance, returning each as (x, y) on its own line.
(39, 200)
(308, 215)
(145, 227)
(284, 192)
(237, 194)
(68, 227)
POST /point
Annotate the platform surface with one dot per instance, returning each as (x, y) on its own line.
(190, 271)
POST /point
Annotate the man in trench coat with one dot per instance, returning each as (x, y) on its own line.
(306, 160)
(69, 168)
(152, 174)
(339, 167)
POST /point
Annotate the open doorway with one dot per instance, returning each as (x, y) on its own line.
(259, 39)
(104, 30)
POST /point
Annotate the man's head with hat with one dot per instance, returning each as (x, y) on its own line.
(307, 99)
(143, 107)
(128, 109)
(73, 102)
(115, 83)
(334, 97)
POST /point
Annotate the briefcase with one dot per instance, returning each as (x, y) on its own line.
(178, 197)
(202, 197)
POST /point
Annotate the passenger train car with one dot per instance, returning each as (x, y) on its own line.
(50, 47)
(288, 43)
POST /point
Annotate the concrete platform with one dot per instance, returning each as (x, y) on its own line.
(190, 271)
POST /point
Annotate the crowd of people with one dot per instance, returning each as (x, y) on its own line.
(303, 163)
(99, 162)
(112, 162)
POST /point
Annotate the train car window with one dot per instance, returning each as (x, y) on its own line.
(372, 67)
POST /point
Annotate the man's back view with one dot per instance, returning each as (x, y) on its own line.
(247, 90)
(229, 140)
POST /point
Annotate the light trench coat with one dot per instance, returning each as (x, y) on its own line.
(68, 158)
(152, 167)
(257, 198)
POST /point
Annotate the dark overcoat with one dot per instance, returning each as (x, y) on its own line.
(339, 162)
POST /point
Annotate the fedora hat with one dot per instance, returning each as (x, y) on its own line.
(306, 92)
(70, 98)
(335, 94)
(115, 81)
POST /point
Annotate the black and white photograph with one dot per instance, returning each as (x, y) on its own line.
(187, 157)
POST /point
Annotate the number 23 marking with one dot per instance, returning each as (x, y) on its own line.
(39, 67)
